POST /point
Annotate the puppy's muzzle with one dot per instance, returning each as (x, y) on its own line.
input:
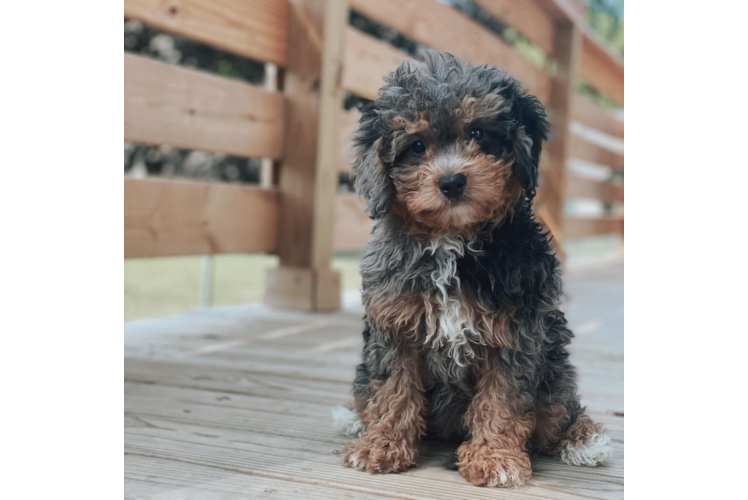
(452, 186)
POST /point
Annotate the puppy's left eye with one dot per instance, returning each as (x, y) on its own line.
(418, 148)
(476, 133)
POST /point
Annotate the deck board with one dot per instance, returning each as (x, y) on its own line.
(235, 403)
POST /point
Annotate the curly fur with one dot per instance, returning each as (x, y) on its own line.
(463, 334)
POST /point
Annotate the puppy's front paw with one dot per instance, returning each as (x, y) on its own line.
(485, 466)
(379, 455)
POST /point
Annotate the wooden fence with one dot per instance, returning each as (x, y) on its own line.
(304, 129)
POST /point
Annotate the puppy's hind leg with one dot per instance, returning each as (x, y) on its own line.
(562, 428)
(584, 443)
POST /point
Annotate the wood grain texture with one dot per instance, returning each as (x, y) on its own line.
(696, 83)
(588, 113)
(303, 288)
(308, 174)
(367, 61)
(184, 108)
(527, 17)
(168, 217)
(309, 171)
(352, 225)
(443, 28)
(252, 418)
(257, 29)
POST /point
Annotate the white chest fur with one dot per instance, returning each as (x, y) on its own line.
(454, 327)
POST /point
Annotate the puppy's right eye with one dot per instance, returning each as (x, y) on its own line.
(418, 148)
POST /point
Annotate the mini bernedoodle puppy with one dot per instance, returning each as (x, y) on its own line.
(463, 334)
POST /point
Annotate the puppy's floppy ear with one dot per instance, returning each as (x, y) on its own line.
(369, 174)
(532, 130)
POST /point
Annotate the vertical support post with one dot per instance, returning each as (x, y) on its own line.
(308, 175)
(567, 48)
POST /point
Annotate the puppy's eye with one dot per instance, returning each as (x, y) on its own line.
(476, 133)
(418, 148)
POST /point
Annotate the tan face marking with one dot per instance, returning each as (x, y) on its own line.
(492, 188)
(492, 192)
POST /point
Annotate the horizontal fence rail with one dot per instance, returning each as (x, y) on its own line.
(527, 17)
(169, 218)
(367, 61)
(257, 29)
(185, 108)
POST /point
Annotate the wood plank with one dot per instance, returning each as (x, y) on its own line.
(601, 71)
(653, 227)
(256, 419)
(695, 83)
(184, 108)
(578, 227)
(352, 225)
(443, 28)
(567, 43)
(588, 113)
(168, 217)
(683, 129)
(527, 17)
(582, 187)
(285, 444)
(309, 172)
(257, 29)
(367, 61)
(248, 454)
(204, 431)
(583, 149)
(701, 193)
(303, 288)
(150, 477)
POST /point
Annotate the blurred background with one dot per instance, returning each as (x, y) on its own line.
(668, 177)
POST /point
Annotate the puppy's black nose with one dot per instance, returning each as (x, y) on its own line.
(452, 186)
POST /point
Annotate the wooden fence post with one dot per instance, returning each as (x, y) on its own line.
(567, 48)
(309, 170)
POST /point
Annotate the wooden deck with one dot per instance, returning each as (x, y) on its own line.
(235, 403)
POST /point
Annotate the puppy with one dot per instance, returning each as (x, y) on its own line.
(463, 335)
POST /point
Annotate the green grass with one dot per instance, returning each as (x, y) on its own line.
(684, 38)
(166, 286)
